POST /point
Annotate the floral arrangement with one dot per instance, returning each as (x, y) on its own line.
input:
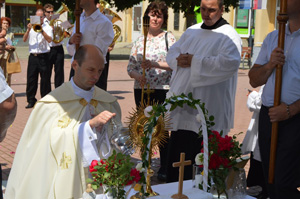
(153, 113)
(114, 173)
(224, 153)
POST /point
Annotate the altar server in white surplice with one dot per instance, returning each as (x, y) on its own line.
(204, 61)
(67, 129)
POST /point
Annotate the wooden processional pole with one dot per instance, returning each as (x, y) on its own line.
(77, 18)
(282, 20)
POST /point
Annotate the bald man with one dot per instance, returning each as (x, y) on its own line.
(68, 128)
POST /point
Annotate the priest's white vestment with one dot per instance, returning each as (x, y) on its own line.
(212, 77)
(49, 161)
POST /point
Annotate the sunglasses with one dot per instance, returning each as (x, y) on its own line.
(49, 11)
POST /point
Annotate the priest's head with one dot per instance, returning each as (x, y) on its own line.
(211, 11)
(88, 65)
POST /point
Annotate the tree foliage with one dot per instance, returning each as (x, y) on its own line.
(185, 6)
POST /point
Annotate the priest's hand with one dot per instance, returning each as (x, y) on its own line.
(279, 113)
(184, 60)
(99, 120)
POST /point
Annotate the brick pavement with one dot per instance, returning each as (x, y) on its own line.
(121, 86)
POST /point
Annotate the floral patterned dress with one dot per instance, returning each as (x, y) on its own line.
(156, 50)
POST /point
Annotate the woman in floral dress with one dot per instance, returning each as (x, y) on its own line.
(157, 71)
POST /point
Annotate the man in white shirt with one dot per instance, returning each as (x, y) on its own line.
(95, 28)
(67, 129)
(204, 61)
(287, 114)
(8, 107)
(38, 61)
(57, 55)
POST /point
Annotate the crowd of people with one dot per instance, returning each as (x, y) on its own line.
(75, 117)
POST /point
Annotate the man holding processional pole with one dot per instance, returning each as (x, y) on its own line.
(279, 129)
(94, 28)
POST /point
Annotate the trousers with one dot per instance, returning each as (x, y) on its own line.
(287, 164)
(56, 59)
(38, 64)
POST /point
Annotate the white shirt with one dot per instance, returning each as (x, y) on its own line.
(5, 90)
(96, 29)
(37, 42)
(88, 137)
(290, 91)
(212, 77)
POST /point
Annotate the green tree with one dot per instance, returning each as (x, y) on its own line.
(186, 6)
(57, 4)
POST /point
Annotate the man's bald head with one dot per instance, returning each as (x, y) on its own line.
(39, 12)
(88, 65)
(85, 50)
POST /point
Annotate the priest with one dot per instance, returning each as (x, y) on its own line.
(67, 129)
(204, 61)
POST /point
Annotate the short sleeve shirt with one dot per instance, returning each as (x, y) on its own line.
(290, 91)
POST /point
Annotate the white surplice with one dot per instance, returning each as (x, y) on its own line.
(212, 77)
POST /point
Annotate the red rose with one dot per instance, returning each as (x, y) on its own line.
(93, 164)
(136, 174)
(214, 162)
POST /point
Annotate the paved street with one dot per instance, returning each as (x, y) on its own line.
(119, 84)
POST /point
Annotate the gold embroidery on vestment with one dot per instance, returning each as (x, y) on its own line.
(83, 102)
(65, 161)
(94, 103)
(64, 122)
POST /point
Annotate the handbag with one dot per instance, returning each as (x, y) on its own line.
(13, 63)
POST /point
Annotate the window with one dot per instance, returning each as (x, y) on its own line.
(19, 16)
(176, 21)
(243, 21)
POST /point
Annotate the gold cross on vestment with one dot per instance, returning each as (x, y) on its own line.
(181, 165)
(65, 160)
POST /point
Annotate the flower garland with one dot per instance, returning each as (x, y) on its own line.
(172, 102)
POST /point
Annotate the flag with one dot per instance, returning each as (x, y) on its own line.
(259, 4)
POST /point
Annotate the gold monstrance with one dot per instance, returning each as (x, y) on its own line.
(137, 121)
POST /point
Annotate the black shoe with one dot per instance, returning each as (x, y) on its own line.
(162, 177)
(30, 105)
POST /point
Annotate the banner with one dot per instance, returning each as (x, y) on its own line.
(259, 4)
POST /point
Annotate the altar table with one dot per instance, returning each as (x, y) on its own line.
(167, 190)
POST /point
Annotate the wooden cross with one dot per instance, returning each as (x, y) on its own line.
(181, 165)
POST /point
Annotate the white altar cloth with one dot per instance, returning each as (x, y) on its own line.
(167, 190)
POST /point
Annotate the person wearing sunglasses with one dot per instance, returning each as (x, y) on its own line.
(56, 56)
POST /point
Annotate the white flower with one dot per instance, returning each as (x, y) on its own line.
(198, 117)
(169, 94)
(199, 159)
(147, 110)
(139, 167)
